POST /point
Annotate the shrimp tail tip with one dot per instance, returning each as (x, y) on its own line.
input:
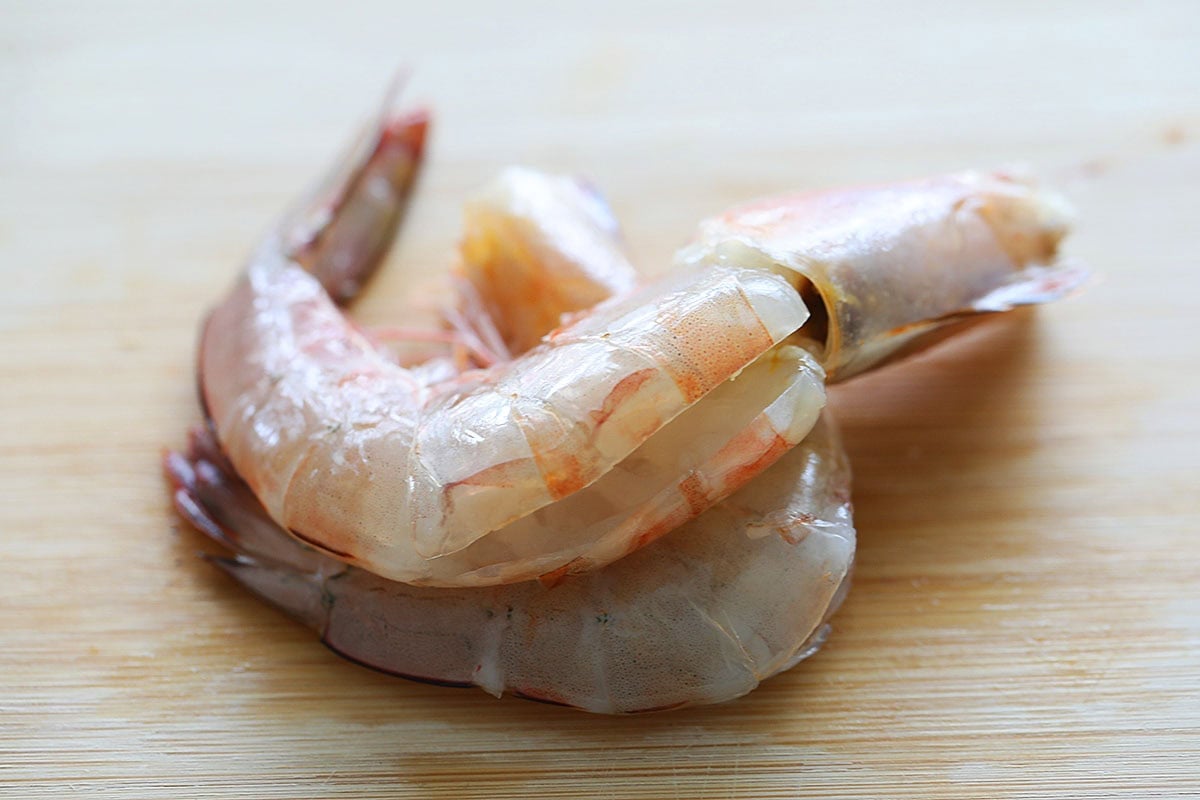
(1036, 285)
(407, 128)
(341, 231)
(410, 130)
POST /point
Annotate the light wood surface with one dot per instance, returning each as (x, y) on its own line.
(1025, 620)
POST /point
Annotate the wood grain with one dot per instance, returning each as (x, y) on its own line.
(1025, 620)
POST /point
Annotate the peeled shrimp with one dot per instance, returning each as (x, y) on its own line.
(733, 595)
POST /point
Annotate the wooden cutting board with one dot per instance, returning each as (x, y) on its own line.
(1025, 620)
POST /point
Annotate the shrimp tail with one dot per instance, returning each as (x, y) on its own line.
(341, 231)
(317, 591)
(267, 561)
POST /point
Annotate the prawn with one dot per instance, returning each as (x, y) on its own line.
(430, 478)
(666, 632)
(700, 616)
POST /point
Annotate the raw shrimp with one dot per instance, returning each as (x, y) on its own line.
(700, 616)
(432, 479)
(724, 600)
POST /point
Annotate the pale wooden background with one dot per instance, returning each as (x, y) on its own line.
(1026, 615)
